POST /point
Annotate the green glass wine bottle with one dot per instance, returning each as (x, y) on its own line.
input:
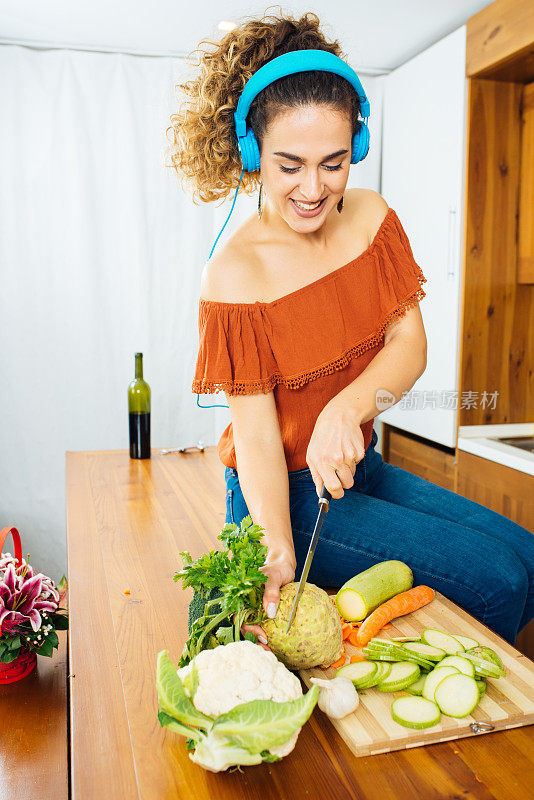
(139, 412)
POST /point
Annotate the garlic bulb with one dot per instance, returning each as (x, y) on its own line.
(337, 697)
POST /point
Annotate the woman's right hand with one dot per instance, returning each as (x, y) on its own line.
(280, 569)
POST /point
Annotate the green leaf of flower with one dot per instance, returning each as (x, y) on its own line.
(8, 656)
(59, 621)
(46, 649)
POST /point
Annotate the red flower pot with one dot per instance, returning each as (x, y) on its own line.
(18, 669)
(25, 662)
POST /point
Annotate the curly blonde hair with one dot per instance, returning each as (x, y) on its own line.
(204, 149)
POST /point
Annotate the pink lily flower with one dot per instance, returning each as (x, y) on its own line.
(22, 599)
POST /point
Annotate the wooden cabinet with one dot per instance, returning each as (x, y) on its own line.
(418, 456)
(525, 256)
(507, 491)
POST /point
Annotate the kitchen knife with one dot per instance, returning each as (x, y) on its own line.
(324, 501)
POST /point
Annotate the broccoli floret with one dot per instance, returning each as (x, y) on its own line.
(197, 606)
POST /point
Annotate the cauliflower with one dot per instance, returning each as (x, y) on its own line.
(238, 673)
(249, 706)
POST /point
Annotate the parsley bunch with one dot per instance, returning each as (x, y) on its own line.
(229, 586)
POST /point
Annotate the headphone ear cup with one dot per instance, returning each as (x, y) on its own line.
(250, 152)
(360, 144)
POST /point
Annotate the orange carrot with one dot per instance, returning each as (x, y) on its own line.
(347, 630)
(353, 638)
(397, 606)
(339, 662)
(357, 657)
(387, 626)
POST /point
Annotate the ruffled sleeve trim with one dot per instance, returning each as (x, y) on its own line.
(235, 353)
(373, 340)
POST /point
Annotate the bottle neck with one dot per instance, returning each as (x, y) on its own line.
(139, 367)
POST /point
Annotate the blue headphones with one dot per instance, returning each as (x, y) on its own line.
(288, 64)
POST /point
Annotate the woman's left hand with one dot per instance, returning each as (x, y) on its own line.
(335, 448)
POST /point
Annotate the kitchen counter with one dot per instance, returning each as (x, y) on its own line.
(127, 521)
(480, 440)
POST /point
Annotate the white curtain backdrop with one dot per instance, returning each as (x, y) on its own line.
(100, 256)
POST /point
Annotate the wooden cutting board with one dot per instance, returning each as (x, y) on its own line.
(507, 703)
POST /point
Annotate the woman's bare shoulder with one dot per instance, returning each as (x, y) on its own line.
(369, 209)
(229, 275)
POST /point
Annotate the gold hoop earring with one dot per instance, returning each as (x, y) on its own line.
(260, 209)
(340, 205)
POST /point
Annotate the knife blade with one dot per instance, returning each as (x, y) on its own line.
(324, 501)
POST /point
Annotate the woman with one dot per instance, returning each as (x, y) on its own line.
(304, 348)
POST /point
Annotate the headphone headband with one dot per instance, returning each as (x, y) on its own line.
(288, 64)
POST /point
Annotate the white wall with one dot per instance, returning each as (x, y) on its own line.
(100, 256)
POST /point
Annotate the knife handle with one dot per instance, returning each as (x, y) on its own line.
(325, 497)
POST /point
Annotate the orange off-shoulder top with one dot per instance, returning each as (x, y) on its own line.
(309, 344)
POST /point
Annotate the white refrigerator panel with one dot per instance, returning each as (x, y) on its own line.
(424, 140)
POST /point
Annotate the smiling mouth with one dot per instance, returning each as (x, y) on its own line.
(305, 206)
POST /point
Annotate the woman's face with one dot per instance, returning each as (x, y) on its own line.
(315, 144)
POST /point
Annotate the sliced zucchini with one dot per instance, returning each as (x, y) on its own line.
(426, 650)
(483, 668)
(434, 678)
(442, 640)
(379, 655)
(383, 668)
(402, 674)
(457, 695)
(361, 673)
(465, 640)
(422, 662)
(381, 642)
(398, 653)
(488, 654)
(415, 712)
(417, 687)
(405, 639)
(381, 647)
(481, 685)
(462, 664)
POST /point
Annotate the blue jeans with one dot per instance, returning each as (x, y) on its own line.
(476, 557)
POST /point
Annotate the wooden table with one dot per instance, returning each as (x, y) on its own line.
(33, 731)
(127, 521)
